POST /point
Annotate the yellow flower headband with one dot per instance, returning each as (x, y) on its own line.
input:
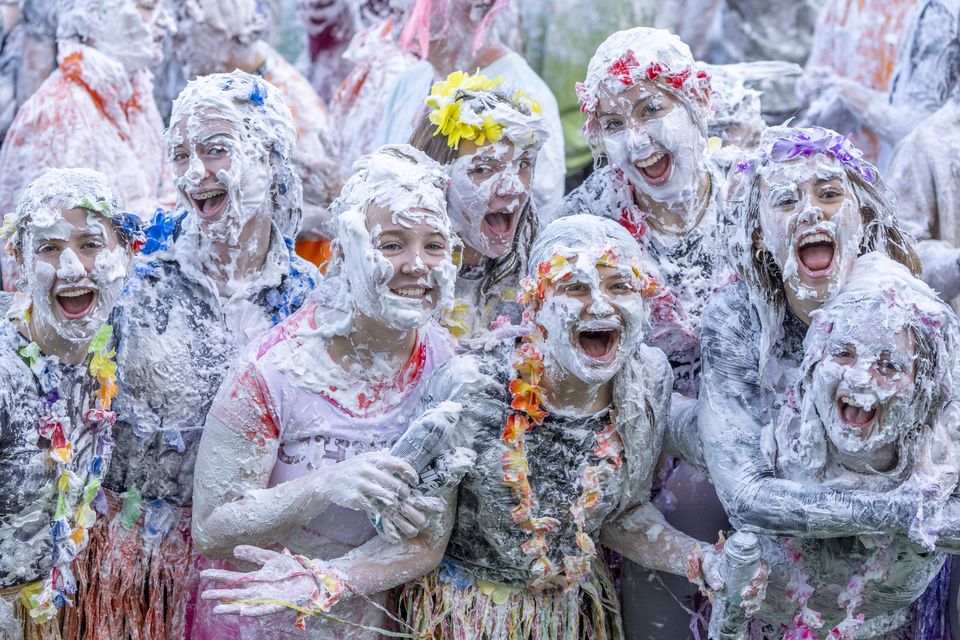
(456, 118)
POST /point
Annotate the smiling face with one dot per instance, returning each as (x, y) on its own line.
(490, 186)
(648, 134)
(863, 386)
(223, 179)
(73, 268)
(810, 222)
(593, 320)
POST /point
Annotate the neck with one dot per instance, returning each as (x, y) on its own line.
(677, 218)
(53, 344)
(236, 261)
(801, 308)
(568, 394)
(450, 54)
(372, 347)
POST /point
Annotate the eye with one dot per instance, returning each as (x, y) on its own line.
(830, 193)
(526, 163)
(179, 156)
(93, 243)
(573, 288)
(217, 151)
(651, 109)
(612, 124)
(480, 170)
(390, 245)
(785, 201)
(622, 286)
(46, 247)
(436, 246)
(888, 368)
(843, 353)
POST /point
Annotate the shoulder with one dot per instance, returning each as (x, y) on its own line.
(600, 194)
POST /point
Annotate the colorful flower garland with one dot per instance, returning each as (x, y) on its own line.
(527, 412)
(456, 119)
(77, 500)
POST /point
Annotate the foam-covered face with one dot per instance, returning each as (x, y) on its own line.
(810, 222)
(863, 386)
(133, 32)
(489, 188)
(398, 264)
(649, 135)
(73, 269)
(593, 320)
(222, 178)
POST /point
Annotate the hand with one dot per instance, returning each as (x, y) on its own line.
(754, 593)
(281, 577)
(371, 482)
(413, 516)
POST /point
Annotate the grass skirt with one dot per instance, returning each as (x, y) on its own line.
(448, 604)
(15, 620)
(130, 588)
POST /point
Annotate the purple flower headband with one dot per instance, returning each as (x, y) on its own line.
(809, 141)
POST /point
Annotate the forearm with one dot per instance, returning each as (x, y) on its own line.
(645, 537)
(682, 437)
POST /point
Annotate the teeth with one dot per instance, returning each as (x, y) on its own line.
(410, 292)
(205, 196)
(642, 164)
(815, 238)
(863, 404)
(74, 293)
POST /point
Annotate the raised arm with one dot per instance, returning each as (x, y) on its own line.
(232, 502)
(732, 415)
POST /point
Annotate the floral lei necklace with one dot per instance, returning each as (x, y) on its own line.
(77, 501)
(526, 413)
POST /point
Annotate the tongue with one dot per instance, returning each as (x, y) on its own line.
(658, 168)
(853, 414)
(594, 343)
(498, 222)
(75, 304)
(212, 203)
(816, 257)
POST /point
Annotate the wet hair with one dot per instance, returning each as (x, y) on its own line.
(75, 189)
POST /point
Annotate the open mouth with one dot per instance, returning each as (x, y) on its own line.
(210, 205)
(815, 254)
(499, 225)
(856, 417)
(655, 168)
(599, 344)
(76, 303)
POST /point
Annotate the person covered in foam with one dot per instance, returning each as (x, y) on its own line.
(874, 409)
(489, 142)
(213, 278)
(802, 208)
(647, 107)
(74, 243)
(217, 36)
(295, 448)
(565, 426)
(455, 35)
(96, 109)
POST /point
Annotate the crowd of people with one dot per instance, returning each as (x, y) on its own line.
(481, 320)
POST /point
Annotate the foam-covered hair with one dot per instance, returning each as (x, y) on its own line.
(243, 20)
(256, 110)
(417, 26)
(59, 189)
(653, 55)
(397, 177)
(79, 19)
(579, 234)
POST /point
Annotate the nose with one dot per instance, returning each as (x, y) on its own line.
(196, 170)
(70, 266)
(509, 183)
(857, 375)
(600, 307)
(811, 215)
(414, 265)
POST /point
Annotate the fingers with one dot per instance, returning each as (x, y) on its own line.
(225, 594)
(255, 555)
(411, 514)
(247, 610)
(222, 575)
(428, 505)
(399, 467)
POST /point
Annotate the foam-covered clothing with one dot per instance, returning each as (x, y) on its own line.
(28, 483)
(177, 338)
(484, 298)
(691, 268)
(860, 40)
(485, 541)
(90, 113)
(289, 395)
(405, 109)
(923, 174)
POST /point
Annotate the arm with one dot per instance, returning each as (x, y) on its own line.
(682, 436)
(644, 536)
(731, 422)
(238, 450)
